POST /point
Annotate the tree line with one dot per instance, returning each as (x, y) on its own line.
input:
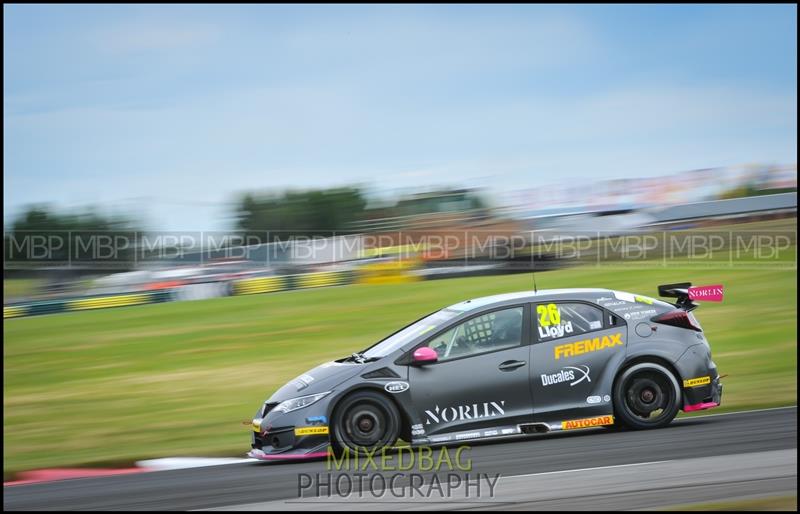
(259, 217)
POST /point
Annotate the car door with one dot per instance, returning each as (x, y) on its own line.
(575, 343)
(481, 377)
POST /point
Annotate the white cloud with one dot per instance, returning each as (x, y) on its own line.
(393, 100)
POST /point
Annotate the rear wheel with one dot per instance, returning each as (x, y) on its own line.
(365, 420)
(646, 395)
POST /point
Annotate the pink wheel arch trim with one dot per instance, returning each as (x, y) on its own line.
(700, 406)
(293, 456)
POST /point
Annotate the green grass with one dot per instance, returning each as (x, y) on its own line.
(173, 379)
(17, 288)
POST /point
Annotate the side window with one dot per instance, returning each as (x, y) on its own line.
(613, 320)
(481, 334)
(555, 320)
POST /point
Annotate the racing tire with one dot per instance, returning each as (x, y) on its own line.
(646, 395)
(365, 421)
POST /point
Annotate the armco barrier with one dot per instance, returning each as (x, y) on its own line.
(260, 285)
(388, 272)
(32, 309)
(285, 282)
(322, 279)
(198, 291)
(14, 311)
(82, 304)
(104, 302)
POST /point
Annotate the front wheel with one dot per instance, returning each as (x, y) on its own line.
(365, 420)
(646, 395)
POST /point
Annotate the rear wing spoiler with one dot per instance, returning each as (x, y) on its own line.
(679, 291)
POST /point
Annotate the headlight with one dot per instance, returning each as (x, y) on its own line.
(299, 403)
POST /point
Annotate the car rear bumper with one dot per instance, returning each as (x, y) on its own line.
(703, 397)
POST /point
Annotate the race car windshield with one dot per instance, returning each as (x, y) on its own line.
(416, 329)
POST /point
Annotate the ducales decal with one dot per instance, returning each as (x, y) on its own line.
(572, 374)
(463, 412)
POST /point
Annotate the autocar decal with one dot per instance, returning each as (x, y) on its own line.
(587, 422)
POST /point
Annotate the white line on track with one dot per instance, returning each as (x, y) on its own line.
(170, 463)
(736, 412)
(655, 461)
(592, 469)
(628, 486)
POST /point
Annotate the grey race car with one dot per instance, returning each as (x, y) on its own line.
(501, 366)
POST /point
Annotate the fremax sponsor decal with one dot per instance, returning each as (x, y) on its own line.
(462, 412)
(694, 382)
(587, 422)
(587, 346)
(567, 374)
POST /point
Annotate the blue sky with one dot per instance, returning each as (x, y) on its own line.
(166, 112)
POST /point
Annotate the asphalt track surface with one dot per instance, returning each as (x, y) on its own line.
(696, 459)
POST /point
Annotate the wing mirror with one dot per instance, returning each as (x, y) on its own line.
(424, 355)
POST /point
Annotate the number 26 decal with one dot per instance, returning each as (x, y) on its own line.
(548, 315)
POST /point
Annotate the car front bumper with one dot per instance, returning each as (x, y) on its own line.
(299, 434)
